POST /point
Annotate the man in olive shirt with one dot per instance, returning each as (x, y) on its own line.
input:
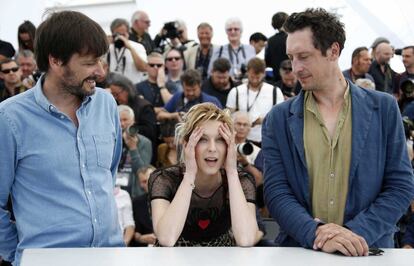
(336, 168)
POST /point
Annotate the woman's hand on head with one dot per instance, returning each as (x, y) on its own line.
(230, 163)
(189, 151)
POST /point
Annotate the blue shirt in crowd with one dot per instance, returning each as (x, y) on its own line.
(60, 176)
(178, 104)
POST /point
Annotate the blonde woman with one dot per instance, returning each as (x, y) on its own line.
(204, 200)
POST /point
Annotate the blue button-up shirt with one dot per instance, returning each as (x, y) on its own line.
(60, 176)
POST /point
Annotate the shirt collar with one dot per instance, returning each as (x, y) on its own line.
(43, 102)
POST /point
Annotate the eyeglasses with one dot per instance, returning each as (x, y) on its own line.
(155, 65)
(287, 69)
(7, 71)
(233, 29)
(173, 58)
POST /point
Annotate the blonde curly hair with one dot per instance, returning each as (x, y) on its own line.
(197, 115)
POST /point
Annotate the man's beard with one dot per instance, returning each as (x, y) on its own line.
(72, 86)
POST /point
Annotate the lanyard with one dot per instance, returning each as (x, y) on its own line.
(236, 53)
(118, 59)
(249, 107)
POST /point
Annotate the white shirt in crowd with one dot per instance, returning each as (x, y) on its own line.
(121, 61)
(124, 206)
(256, 103)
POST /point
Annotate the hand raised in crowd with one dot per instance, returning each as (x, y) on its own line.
(189, 152)
(161, 77)
(130, 141)
(332, 237)
(231, 159)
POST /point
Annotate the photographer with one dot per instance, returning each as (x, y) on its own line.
(124, 56)
(246, 150)
(173, 35)
(136, 151)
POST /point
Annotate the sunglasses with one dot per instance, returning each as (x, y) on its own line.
(155, 65)
(173, 58)
(287, 69)
(7, 71)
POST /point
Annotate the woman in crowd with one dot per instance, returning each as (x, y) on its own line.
(205, 200)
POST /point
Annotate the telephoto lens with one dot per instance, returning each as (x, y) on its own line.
(245, 148)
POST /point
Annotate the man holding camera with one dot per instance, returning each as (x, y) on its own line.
(126, 57)
(246, 150)
(136, 151)
(173, 35)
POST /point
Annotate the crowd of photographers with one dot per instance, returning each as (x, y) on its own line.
(156, 81)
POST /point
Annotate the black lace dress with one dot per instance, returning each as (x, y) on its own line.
(208, 220)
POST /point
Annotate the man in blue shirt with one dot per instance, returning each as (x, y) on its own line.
(191, 95)
(61, 144)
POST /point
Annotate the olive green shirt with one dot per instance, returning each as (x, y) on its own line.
(328, 159)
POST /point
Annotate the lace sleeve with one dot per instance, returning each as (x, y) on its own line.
(163, 183)
(248, 185)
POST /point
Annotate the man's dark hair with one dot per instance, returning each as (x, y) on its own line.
(6, 61)
(191, 77)
(257, 65)
(409, 47)
(356, 52)
(278, 20)
(325, 26)
(257, 36)
(65, 33)
(26, 27)
(221, 65)
(117, 23)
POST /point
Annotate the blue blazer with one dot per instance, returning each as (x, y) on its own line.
(380, 179)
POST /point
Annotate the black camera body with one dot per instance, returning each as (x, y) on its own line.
(118, 43)
(171, 30)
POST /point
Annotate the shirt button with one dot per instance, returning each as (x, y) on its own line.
(62, 117)
(95, 220)
(83, 165)
(89, 192)
(332, 175)
(331, 202)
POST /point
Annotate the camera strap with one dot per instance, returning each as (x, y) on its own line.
(248, 106)
(236, 53)
(118, 58)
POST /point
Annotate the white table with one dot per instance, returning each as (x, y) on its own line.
(196, 256)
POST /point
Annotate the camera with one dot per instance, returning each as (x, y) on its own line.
(245, 148)
(132, 130)
(118, 43)
(171, 30)
(407, 87)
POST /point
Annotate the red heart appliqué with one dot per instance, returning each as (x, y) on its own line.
(203, 224)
